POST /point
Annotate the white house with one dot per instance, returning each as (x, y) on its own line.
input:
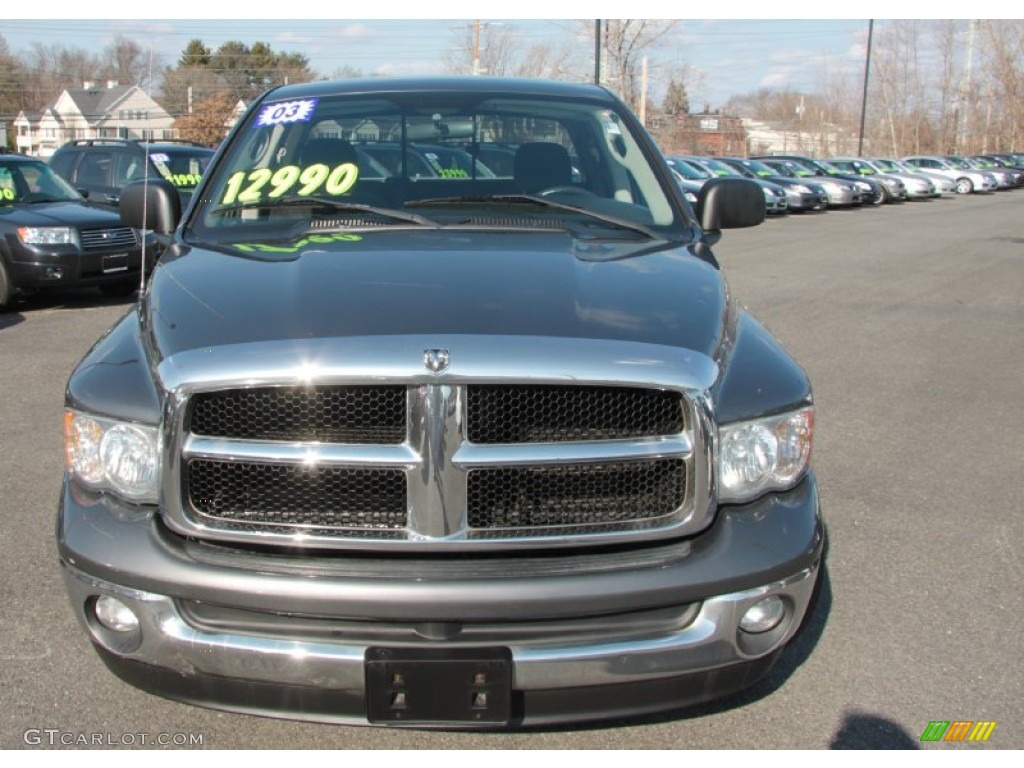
(92, 112)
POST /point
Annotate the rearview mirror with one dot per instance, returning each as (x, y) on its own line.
(151, 204)
(730, 203)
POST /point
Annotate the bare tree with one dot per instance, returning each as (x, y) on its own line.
(626, 41)
(347, 72)
(503, 52)
(899, 90)
(49, 69)
(128, 63)
(12, 91)
(1004, 72)
(552, 62)
(495, 55)
(945, 37)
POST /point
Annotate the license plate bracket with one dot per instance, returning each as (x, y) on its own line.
(115, 262)
(460, 686)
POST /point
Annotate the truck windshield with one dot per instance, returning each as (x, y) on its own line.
(385, 152)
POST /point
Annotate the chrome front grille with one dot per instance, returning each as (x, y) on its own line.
(250, 496)
(590, 495)
(535, 414)
(116, 238)
(321, 414)
(440, 462)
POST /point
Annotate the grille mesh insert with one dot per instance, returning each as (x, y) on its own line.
(277, 494)
(535, 414)
(328, 414)
(588, 494)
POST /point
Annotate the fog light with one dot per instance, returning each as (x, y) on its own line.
(115, 615)
(54, 273)
(763, 615)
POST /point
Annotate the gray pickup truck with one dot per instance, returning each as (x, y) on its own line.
(461, 449)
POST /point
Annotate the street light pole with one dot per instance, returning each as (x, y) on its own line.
(597, 51)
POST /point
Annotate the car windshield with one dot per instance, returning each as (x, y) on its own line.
(357, 160)
(688, 170)
(717, 167)
(889, 166)
(32, 181)
(822, 169)
(760, 169)
(785, 169)
(858, 166)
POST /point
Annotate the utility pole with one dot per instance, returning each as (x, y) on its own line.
(597, 51)
(965, 91)
(476, 46)
(864, 95)
(643, 93)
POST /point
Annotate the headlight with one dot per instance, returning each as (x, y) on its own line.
(863, 186)
(802, 189)
(763, 455)
(113, 455)
(45, 235)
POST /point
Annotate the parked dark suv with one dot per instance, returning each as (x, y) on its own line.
(51, 238)
(100, 168)
(461, 450)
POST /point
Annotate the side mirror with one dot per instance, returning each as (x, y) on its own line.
(151, 204)
(83, 192)
(730, 203)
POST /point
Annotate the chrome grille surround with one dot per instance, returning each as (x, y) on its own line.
(437, 458)
(114, 238)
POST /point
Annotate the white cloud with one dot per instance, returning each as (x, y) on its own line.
(355, 31)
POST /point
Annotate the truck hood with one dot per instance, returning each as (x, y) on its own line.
(436, 283)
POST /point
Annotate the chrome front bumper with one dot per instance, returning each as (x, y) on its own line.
(270, 666)
(711, 640)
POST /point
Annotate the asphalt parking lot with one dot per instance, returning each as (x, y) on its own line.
(910, 322)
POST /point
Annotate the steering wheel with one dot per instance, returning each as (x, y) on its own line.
(566, 189)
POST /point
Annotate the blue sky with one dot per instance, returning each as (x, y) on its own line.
(729, 56)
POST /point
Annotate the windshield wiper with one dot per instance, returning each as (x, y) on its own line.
(326, 202)
(538, 201)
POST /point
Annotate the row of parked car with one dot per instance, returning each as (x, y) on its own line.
(59, 224)
(798, 183)
(83, 242)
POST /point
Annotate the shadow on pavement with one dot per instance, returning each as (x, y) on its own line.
(862, 731)
(8, 319)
